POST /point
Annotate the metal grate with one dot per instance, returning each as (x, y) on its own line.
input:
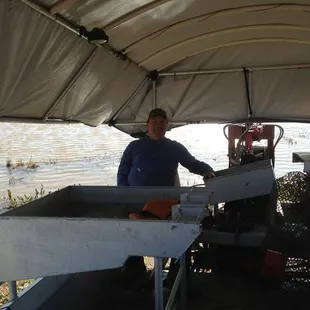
(292, 187)
(291, 236)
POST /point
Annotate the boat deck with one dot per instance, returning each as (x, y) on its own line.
(100, 290)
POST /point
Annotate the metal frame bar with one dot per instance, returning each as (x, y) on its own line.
(237, 121)
(63, 5)
(73, 28)
(183, 284)
(133, 123)
(36, 121)
(54, 18)
(134, 13)
(180, 282)
(124, 106)
(159, 301)
(70, 84)
(12, 290)
(215, 33)
(233, 43)
(302, 157)
(154, 88)
(232, 11)
(201, 72)
(234, 70)
(258, 178)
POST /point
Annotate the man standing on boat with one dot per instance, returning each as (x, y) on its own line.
(153, 161)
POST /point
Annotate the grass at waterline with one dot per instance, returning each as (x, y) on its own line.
(19, 200)
(4, 290)
(20, 164)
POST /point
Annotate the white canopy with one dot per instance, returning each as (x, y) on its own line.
(202, 61)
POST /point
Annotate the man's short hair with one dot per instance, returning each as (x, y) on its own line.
(157, 112)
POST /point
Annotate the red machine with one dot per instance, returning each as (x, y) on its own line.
(247, 143)
(245, 151)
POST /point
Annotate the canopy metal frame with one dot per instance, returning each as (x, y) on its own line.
(62, 5)
(216, 33)
(216, 14)
(70, 85)
(73, 28)
(52, 14)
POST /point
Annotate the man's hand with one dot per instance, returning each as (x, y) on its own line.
(208, 175)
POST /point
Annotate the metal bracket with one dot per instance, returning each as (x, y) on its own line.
(154, 75)
(302, 157)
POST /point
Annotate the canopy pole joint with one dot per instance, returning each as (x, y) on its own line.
(154, 75)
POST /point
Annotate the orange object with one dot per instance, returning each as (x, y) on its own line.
(155, 209)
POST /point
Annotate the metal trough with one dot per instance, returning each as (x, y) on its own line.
(80, 229)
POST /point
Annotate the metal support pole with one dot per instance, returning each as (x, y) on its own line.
(175, 288)
(124, 106)
(70, 85)
(154, 94)
(201, 72)
(159, 300)
(237, 121)
(12, 290)
(179, 283)
(36, 121)
(250, 69)
(133, 123)
(183, 284)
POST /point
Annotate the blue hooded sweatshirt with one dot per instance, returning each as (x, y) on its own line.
(148, 162)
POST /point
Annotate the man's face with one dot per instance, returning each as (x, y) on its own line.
(157, 127)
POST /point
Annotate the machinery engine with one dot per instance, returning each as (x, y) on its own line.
(245, 152)
(241, 216)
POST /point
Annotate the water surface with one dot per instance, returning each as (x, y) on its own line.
(78, 154)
